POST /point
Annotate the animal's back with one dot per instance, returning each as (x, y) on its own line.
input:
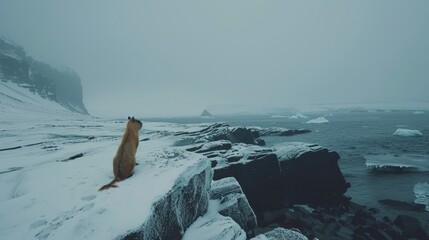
(125, 160)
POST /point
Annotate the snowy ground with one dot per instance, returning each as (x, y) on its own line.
(44, 195)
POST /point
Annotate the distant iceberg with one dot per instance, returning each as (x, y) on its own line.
(279, 116)
(418, 112)
(318, 120)
(398, 163)
(402, 132)
(298, 115)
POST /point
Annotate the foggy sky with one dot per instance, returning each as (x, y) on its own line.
(165, 58)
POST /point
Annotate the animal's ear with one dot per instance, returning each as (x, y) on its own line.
(132, 119)
(129, 118)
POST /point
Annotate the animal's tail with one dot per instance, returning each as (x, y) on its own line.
(110, 185)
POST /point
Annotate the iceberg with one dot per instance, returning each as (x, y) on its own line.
(421, 191)
(398, 163)
(298, 115)
(318, 120)
(402, 132)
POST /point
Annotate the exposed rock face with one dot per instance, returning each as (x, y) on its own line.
(280, 234)
(178, 209)
(40, 78)
(310, 174)
(261, 132)
(303, 173)
(259, 176)
(233, 202)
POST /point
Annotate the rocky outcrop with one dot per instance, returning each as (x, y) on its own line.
(233, 202)
(222, 131)
(258, 173)
(290, 173)
(351, 221)
(310, 174)
(179, 208)
(205, 113)
(61, 86)
(283, 132)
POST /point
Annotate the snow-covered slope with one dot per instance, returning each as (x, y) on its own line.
(46, 195)
(53, 162)
(18, 102)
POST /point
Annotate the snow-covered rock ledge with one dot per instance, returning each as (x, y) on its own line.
(171, 215)
(43, 198)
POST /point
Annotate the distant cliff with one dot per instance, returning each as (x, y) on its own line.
(61, 86)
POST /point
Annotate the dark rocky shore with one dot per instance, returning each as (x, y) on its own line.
(292, 191)
(298, 186)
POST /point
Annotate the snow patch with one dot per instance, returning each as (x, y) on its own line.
(213, 226)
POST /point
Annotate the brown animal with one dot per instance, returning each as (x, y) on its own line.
(125, 159)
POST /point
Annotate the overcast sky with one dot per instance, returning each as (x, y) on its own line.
(165, 58)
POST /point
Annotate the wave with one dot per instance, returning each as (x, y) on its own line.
(398, 163)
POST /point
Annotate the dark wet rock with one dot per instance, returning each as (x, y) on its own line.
(257, 132)
(224, 132)
(241, 135)
(258, 173)
(310, 174)
(144, 139)
(281, 234)
(179, 208)
(79, 155)
(411, 227)
(260, 141)
(357, 222)
(233, 202)
(211, 146)
(362, 217)
(400, 205)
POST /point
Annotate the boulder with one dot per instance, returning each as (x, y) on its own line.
(233, 202)
(258, 173)
(310, 174)
(411, 227)
(211, 146)
(241, 135)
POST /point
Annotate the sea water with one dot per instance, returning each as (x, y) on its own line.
(378, 164)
